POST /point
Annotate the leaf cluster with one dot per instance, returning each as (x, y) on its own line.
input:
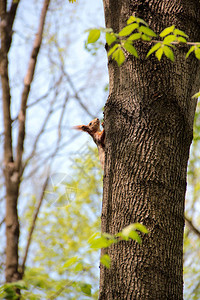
(137, 29)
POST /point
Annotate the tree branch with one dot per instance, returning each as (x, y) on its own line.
(192, 227)
(27, 83)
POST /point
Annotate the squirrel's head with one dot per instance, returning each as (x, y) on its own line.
(94, 125)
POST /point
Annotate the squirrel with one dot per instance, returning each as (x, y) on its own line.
(93, 128)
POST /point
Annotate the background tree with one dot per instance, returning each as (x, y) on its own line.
(35, 146)
(149, 123)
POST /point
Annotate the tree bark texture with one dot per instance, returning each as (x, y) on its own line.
(149, 128)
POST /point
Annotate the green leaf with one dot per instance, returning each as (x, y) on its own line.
(153, 49)
(115, 47)
(167, 31)
(140, 227)
(139, 20)
(197, 53)
(119, 56)
(129, 232)
(169, 39)
(128, 29)
(180, 32)
(197, 95)
(110, 38)
(105, 260)
(100, 242)
(131, 20)
(93, 36)
(134, 37)
(159, 53)
(168, 52)
(86, 288)
(70, 262)
(145, 37)
(147, 31)
(190, 51)
(131, 49)
(180, 39)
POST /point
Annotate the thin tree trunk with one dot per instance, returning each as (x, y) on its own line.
(149, 127)
(13, 165)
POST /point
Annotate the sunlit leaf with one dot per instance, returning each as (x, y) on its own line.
(197, 53)
(167, 31)
(147, 31)
(93, 36)
(128, 29)
(119, 56)
(131, 49)
(145, 37)
(190, 51)
(180, 32)
(159, 53)
(197, 95)
(168, 52)
(169, 39)
(131, 20)
(105, 260)
(153, 49)
(115, 47)
(181, 39)
(110, 38)
(134, 37)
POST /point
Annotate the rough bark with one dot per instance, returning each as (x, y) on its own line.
(149, 127)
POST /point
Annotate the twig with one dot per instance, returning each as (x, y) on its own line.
(27, 84)
(192, 227)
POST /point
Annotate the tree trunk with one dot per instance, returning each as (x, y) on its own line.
(149, 128)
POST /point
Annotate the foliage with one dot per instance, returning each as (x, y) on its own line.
(191, 239)
(63, 264)
(137, 29)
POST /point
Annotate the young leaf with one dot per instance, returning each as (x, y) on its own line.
(86, 288)
(119, 56)
(197, 53)
(169, 39)
(180, 32)
(131, 20)
(140, 227)
(93, 36)
(147, 31)
(138, 20)
(181, 39)
(115, 47)
(134, 37)
(190, 51)
(70, 262)
(168, 52)
(128, 29)
(145, 37)
(197, 95)
(131, 49)
(159, 53)
(105, 260)
(167, 31)
(153, 49)
(110, 38)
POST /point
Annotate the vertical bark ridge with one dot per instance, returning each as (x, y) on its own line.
(148, 123)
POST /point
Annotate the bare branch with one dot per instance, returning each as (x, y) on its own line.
(33, 225)
(192, 227)
(27, 83)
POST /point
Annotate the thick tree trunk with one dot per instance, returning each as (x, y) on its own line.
(149, 127)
